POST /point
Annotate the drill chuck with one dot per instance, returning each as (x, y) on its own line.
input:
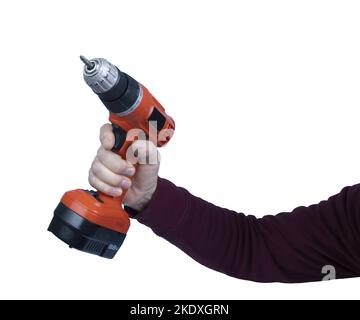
(120, 93)
(99, 74)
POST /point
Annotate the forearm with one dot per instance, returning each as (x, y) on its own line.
(288, 247)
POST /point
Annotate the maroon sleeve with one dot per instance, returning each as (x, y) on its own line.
(287, 247)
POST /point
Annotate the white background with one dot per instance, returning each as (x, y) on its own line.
(265, 95)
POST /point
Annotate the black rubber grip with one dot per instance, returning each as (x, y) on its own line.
(120, 137)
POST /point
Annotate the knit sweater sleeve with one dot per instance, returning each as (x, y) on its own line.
(297, 246)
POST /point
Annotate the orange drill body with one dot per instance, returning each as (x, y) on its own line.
(109, 213)
(92, 221)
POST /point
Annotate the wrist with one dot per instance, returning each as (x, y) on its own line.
(145, 199)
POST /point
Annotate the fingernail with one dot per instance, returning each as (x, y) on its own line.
(130, 171)
(126, 184)
(116, 192)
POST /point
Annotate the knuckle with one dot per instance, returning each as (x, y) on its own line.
(103, 155)
(100, 152)
(95, 167)
(104, 128)
(117, 168)
(106, 188)
(118, 179)
(102, 137)
(105, 137)
(109, 190)
(91, 179)
(118, 165)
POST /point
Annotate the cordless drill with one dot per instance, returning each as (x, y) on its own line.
(89, 220)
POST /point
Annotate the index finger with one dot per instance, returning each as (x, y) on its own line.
(107, 137)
